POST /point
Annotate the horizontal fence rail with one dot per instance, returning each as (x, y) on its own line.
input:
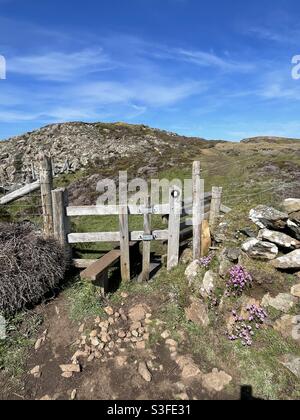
(91, 237)
(21, 192)
(110, 210)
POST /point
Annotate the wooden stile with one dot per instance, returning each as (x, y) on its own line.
(202, 206)
(174, 227)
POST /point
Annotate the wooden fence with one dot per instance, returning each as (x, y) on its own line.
(177, 215)
(184, 220)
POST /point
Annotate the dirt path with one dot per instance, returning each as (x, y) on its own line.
(136, 362)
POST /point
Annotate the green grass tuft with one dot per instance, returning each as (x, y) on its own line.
(85, 301)
(21, 331)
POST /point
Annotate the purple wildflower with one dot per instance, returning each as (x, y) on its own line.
(205, 261)
(243, 329)
(239, 280)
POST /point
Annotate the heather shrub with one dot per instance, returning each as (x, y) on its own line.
(30, 266)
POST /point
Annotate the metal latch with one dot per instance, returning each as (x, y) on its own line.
(147, 238)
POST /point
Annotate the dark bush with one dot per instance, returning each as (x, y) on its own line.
(30, 266)
(4, 215)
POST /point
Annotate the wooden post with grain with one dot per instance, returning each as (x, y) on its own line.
(124, 228)
(215, 206)
(46, 182)
(146, 243)
(33, 172)
(174, 227)
(60, 220)
(197, 211)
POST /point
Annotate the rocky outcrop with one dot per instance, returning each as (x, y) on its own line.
(216, 381)
(226, 261)
(295, 290)
(87, 145)
(209, 283)
(278, 231)
(292, 363)
(197, 313)
(291, 205)
(288, 326)
(268, 217)
(260, 250)
(283, 302)
(279, 238)
(289, 261)
(192, 271)
(293, 228)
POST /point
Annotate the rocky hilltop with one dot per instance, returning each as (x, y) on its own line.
(79, 145)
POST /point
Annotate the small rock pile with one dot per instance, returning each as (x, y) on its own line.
(279, 233)
(109, 340)
(111, 336)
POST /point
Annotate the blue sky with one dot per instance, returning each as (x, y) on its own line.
(214, 69)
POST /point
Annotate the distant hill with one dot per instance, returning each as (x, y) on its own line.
(266, 139)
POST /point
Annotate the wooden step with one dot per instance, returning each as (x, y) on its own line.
(98, 269)
(95, 270)
(81, 263)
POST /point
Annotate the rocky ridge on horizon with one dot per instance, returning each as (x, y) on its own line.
(86, 145)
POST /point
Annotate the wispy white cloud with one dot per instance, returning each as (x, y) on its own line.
(95, 100)
(59, 66)
(285, 31)
(277, 91)
(13, 116)
(153, 93)
(268, 34)
(209, 59)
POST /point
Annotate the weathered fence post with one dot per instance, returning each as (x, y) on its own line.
(146, 243)
(53, 168)
(33, 173)
(215, 206)
(174, 227)
(46, 182)
(124, 227)
(197, 210)
(60, 220)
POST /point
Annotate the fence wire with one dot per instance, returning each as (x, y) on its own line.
(26, 208)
